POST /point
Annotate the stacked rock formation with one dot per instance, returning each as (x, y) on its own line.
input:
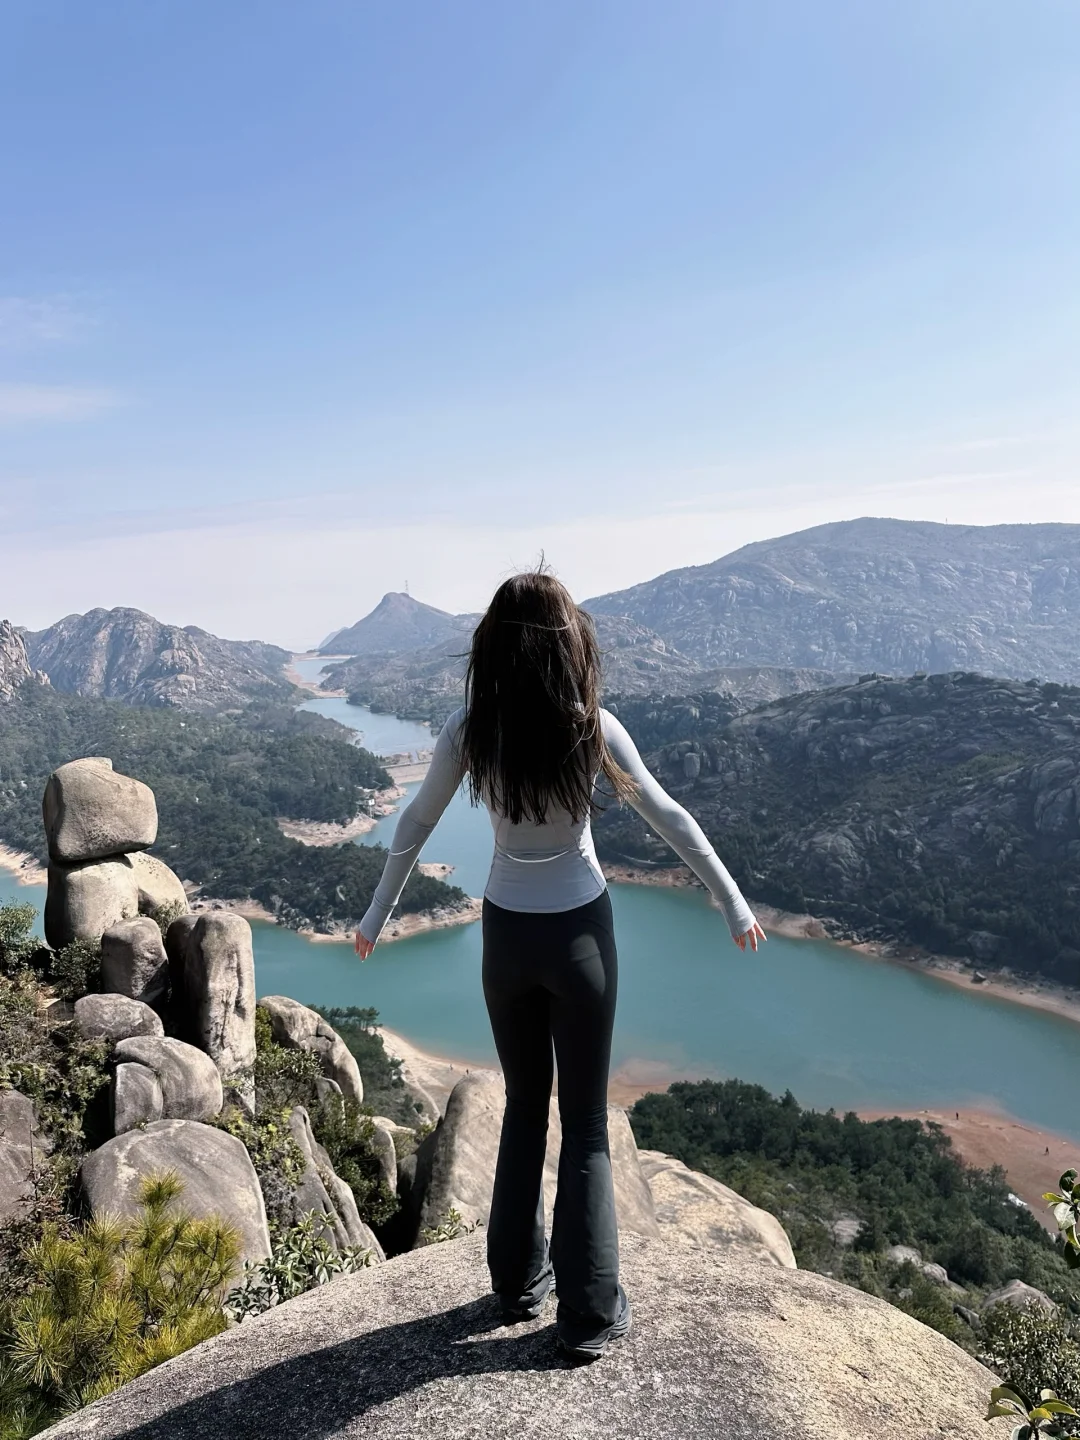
(179, 1016)
(95, 821)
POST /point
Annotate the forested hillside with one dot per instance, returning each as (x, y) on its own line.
(941, 810)
(221, 783)
(847, 1189)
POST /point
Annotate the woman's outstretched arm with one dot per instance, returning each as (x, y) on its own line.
(681, 831)
(415, 824)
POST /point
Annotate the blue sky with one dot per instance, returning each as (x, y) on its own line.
(298, 303)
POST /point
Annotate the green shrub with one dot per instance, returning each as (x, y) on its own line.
(62, 1071)
(17, 940)
(385, 1092)
(76, 969)
(451, 1227)
(283, 1078)
(278, 1160)
(106, 1301)
(302, 1258)
(348, 1133)
(1032, 1348)
(163, 915)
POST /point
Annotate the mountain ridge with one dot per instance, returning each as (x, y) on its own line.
(877, 594)
(125, 654)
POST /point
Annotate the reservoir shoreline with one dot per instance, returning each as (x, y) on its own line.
(1002, 984)
(1028, 991)
(1032, 1158)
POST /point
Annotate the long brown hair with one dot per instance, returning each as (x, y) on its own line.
(531, 739)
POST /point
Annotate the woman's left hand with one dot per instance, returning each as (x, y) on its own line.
(754, 934)
(362, 945)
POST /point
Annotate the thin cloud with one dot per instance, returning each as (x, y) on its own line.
(29, 320)
(990, 442)
(43, 404)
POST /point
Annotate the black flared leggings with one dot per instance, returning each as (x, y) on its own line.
(550, 982)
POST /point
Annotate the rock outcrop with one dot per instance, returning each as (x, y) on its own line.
(158, 886)
(455, 1164)
(907, 1254)
(721, 1346)
(97, 824)
(299, 1028)
(1019, 1294)
(136, 1097)
(694, 1209)
(22, 1150)
(15, 667)
(92, 812)
(83, 901)
(133, 961)
(324, 1192)
(385, 1130)
(115, 1018)
(216, 1171)
(190, 1081)
(212, 972)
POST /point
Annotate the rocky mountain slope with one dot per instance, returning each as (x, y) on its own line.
(428, 683)
(721, 1345)
(398, 623)
(891, 595)
(944, 811)
(14, 663)
(127, 655)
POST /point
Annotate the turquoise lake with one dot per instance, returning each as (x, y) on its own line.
(836, 1028)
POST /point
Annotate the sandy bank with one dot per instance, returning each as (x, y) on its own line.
(431, 1075)
(987, 1137)
(403, 926)
(982, 1137)
(312, 686)
(26, 869)
(249, 909)
(325, 832)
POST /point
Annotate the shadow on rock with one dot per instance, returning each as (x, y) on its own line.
(317, 1394)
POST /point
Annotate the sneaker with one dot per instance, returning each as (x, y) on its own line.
(593, 1346)
(512, 1314)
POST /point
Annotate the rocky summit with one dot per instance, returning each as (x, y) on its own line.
(127, 655)
(893, 595)
(398, 623)
(721, 1345)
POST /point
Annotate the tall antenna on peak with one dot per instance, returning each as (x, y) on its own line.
(406, 587)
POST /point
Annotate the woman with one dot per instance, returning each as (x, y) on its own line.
(533, 740)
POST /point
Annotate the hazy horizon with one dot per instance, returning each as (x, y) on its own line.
(295, 312)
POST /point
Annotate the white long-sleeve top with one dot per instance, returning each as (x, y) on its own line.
(553, 866)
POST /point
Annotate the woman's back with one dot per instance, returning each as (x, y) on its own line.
(540, 867)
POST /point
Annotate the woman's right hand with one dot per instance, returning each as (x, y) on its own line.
(362, 945)
(754, 934)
